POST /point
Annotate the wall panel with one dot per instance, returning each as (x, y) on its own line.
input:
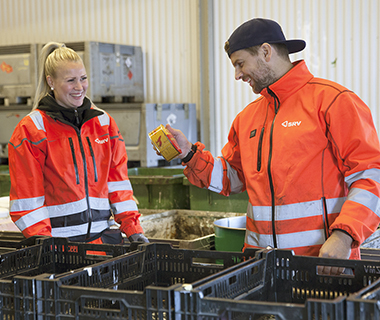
(165, 29)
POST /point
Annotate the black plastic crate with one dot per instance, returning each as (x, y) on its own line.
(6, 250)
(16, 240)
(13, 236)
(139, 285)
(365, 304)
(49, 256)
(370, 254)
(278, 286)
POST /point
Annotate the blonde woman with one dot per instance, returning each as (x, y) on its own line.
(67, 161)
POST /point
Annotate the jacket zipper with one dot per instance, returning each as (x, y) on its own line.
(86, 184)
(76, 117)
(276, 107)
(74, 159)
(85, 174)
(89, 213)
(93, 159)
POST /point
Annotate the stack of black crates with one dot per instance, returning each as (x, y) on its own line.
(52, 278)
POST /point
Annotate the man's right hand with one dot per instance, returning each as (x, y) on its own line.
(184, 144)
(181, 139)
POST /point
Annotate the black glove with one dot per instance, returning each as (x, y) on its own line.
(138, 237)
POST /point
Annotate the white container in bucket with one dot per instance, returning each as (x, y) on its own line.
(230, 233)
(6, 223)
(4, 207)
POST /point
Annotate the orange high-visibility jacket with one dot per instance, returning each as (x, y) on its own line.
(65, 181)
(308, 154)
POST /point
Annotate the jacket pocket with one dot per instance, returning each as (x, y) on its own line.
(259, 150)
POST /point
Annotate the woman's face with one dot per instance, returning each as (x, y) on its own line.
(70, 84)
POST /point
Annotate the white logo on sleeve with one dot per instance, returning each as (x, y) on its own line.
(287, 124)
(101, 141)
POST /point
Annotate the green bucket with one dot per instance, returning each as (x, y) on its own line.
(230, 233)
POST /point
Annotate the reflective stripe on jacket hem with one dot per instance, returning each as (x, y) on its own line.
(70, 208)
(288, 240)
(61, 209)
(73, 231)
(285, 214)
(58, 211)
(295, 210)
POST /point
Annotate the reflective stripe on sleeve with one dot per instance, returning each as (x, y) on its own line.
(365, 198)
(37, 120)
(26, 204)
(236, 184)
(288, 240)
(119, 186)
(373, 174)
(96, 227)
(119, 207)
(104, 119)
(216, 183)
(32, 218)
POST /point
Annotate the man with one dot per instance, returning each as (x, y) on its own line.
(306, 151)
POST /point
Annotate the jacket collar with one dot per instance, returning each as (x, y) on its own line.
(68, 115)
(290, 83)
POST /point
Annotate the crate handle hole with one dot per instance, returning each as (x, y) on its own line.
(335, 271)
(209, 262)
(232, 280)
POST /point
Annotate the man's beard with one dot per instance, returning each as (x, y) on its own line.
(265, 79)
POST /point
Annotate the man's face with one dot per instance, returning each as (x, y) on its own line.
(252, 69)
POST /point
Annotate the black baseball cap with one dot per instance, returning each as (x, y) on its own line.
(258, 31)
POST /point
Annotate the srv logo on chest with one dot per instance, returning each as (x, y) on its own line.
(287, 124)
(101, 141)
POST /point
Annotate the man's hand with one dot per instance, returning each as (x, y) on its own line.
(184, 144)
(182, 141)
(337, 246)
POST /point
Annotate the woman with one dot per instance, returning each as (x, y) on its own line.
(67, 161)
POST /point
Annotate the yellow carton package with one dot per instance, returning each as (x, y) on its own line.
(165, 143)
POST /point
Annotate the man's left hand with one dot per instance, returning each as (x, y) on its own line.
(338, 245)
